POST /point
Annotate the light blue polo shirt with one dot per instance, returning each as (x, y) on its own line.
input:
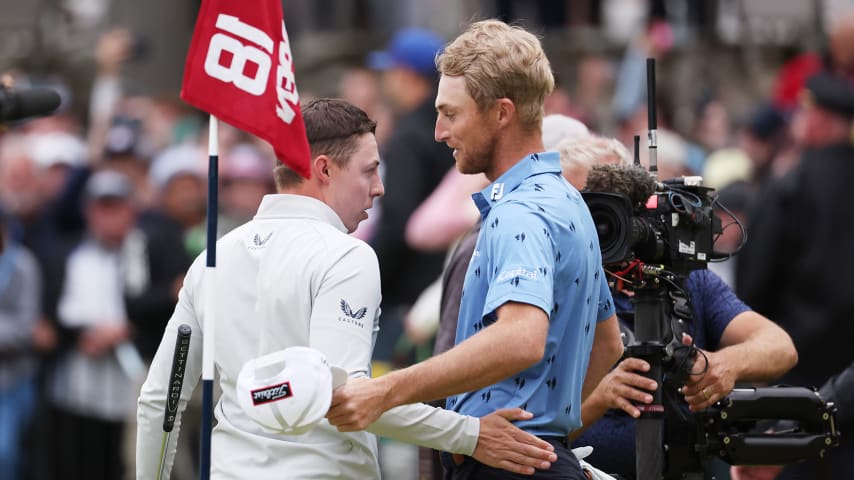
(537, 245)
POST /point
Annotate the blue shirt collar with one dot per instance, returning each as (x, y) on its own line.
(533, 164)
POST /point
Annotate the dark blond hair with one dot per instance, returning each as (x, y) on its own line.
(501, 61)
(332, 127)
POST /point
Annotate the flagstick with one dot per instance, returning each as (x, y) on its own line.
(208, 344)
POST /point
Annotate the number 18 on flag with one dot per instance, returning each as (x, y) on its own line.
(239, 68)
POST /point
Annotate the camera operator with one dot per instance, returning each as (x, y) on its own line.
(736, 345)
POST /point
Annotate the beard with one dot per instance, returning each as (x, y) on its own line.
(479, 158)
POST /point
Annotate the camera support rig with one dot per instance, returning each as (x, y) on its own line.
(649, 439)
(730, 429)
(813, 423)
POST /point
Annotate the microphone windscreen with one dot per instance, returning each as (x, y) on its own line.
(16, 105)
(632, 181)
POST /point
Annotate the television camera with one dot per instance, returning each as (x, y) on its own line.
(652, 235)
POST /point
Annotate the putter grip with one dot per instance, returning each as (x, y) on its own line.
(176, 376)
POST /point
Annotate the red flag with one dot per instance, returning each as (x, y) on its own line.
(240, 69)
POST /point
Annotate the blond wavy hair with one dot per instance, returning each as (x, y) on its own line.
(501, 61)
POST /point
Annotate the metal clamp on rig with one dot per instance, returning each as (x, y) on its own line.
(806, 426)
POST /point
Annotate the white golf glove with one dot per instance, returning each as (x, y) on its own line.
(595, 474)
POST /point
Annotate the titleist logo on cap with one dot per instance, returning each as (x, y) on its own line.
(272, 393)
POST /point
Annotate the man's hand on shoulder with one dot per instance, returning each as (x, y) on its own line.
(503, 445)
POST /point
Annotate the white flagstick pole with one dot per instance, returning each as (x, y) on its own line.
(208, 334)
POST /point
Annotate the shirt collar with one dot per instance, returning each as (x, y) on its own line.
(298, 206)
(533, 164)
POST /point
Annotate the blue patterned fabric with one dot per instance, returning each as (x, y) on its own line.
(537, 245)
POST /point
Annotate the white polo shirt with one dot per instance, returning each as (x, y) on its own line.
(289, 277)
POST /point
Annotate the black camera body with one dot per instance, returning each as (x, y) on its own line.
(674, 227)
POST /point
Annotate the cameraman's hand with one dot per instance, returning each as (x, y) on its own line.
(754, 473)
(702, 391)
(622, 386)
(503, 445)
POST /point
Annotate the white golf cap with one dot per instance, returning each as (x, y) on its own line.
(288, 391)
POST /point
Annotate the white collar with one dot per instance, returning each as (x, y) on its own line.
(282, 205)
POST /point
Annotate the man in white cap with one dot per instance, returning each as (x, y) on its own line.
(292, 277)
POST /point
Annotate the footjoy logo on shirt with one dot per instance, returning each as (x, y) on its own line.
(272, 393)
(497, 191)
(517, 272)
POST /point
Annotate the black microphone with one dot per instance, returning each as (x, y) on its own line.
(17, 105)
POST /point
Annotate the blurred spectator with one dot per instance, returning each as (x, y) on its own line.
(56, 154)
(578, 155)
(592, 93)
(125, 151)
(29, 194)
(712, 130)
(19, 179)
(764, 139)
(90, 392)
(840, 42)
(414, 164)
(726, 166)
(630, 88)
(177, 177)
(119, 286)
(446, 214)
(20, 295)
(247, 175)
(559, 102)
(361, 87)
(788, 269)
(557, 128)
(112, 50)
(551, 14)
(621, 19)
(837, 59)
(790, 80)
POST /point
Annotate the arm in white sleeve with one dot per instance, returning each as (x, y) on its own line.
(152, 398)
(342, 327)
(430, 427)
